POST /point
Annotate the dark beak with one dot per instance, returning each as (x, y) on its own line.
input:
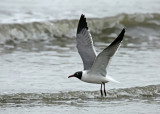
(70, 76)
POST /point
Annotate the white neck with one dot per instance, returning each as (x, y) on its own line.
(84, 73)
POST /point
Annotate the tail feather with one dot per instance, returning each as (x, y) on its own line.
(110, 79)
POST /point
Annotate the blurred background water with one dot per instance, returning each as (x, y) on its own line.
(38, 52)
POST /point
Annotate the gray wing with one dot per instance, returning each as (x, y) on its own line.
(85, 44)
(101, 63)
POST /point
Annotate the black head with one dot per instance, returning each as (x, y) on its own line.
(77, 75)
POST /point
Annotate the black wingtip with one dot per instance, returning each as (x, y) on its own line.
(120, 36)
(82, 23)
(83, 15)
(123, 30)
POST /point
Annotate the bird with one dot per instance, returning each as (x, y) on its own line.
(95, 66)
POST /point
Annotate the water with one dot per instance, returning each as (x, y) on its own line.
(38, 52)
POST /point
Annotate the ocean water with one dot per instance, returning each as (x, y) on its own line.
(38, 53)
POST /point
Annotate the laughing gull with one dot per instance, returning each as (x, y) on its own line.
(95, 67)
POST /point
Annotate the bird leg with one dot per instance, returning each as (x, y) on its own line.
(104, 89)
(101, 90)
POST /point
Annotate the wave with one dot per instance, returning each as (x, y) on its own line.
(146, 92)
(138, 26)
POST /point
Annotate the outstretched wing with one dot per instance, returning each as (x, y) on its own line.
(85, 44)
(101, 63)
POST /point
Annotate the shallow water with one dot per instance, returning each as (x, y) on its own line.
(38, 53)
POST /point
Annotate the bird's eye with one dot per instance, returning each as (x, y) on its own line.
(76, 73)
